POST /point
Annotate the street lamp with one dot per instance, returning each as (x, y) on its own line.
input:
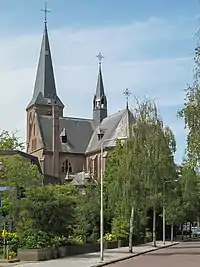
(101, 212)
(164, 207)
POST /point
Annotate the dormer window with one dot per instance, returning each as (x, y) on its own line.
(64, 139)
(100, 136)
(63, 136)
(100, 133)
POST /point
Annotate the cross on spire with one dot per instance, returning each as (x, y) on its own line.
(45, 10)
(100, 57)
(127, 93)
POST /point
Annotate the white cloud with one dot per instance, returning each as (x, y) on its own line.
(74, 51)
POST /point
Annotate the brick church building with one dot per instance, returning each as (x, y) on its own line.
(66, 146)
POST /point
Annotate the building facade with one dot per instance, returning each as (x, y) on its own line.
(67, 145)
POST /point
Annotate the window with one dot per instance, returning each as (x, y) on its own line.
(63, 136)
(64, 139)
(66, 166)
(100, 136)
(100, 133)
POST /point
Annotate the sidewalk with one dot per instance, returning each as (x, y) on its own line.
(93, 259)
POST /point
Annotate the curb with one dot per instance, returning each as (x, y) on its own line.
(133, 255)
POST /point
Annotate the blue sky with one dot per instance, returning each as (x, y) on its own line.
(148, 47)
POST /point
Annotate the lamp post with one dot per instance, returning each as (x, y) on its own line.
(101, 211)
(164, 208)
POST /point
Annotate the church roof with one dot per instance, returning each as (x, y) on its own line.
(79, 132)
(114, 126)
(45, 88)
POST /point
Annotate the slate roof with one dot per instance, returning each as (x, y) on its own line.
(114, 126)
(45, 88)
(100, 87)
(79, 132)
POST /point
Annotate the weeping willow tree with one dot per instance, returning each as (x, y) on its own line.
(190, 113)
(137, 169)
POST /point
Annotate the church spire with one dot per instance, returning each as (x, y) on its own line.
(99, 101)
(45, 88)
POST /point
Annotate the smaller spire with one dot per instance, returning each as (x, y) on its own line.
(127, 93)
(99, 100)
(45, 10)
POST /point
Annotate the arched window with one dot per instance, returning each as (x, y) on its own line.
(66, 166)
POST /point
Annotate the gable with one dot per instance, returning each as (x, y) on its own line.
(114, 126)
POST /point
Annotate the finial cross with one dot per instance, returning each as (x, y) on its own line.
(45, 10)
(100, 57)
(127, 93)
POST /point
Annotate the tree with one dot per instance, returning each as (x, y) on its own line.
(88, 210)
(137, 169)
(50, 209)
(18, 174)
(190, 113)
(10, 141)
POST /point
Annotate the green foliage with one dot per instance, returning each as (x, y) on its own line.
(88, 210)
(35, 239)
(11, 239)
(10, 141)
(110, 237)
(120, 227)
(75, 240)
(50, 209)
(18, 172)
(137, 170)
(190, 113)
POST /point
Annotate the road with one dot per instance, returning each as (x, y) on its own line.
(186, 254)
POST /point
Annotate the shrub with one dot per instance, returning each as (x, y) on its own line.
(59, 241)
(75, 240)
(148, 237)
(35, 239)
(12, 240)
(110, 237)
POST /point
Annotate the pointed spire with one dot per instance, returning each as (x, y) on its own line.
(45, 88)
(99, 101)
(100, 87)
(127, 93)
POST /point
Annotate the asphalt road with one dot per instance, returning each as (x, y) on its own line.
(186, 254)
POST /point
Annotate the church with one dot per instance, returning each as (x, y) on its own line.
(68, 146)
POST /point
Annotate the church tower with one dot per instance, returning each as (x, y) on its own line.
(99, 100)
(44, 96)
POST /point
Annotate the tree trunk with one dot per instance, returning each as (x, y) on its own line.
(190, 233)
(172, 233)
(154, 226)
(198, 221)
(131, 231)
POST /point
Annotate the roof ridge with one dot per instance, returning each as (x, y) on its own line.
(77, 118)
